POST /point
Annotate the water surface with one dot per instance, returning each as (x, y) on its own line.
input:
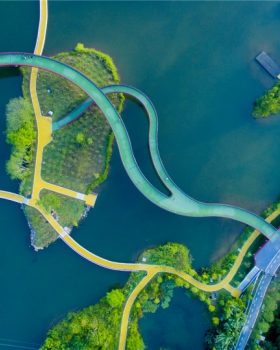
(196, 62)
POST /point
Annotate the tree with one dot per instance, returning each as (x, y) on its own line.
(268, 104)
(80, 138)
(215, 321)
(19, 111)
(89, 141)
(115, 297)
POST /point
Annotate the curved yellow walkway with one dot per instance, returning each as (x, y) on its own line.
(13, 197)
(128, 305)
(44, 124)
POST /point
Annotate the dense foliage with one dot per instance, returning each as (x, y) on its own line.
(98, 326)
(228, 321)
(22, 136)
(268, 104)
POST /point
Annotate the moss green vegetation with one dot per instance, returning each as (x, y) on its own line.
(79, 155)
(37, 224)
(268, 104)
(98, 326)
(68, 211)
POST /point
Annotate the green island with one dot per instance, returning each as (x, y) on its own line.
(79, 155)
(97, 326)
(269, 103)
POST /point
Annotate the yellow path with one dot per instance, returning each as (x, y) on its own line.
(44, 124)
(225, 283)
(13, 197)
(128, 305)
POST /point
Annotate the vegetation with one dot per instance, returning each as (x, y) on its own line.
(79, 155)
(229, 316)
(20, 133)
(228, 313)
(269, 317)
(98, 326)
(227, 321)
(68, 211)
(268, 104)
(37, 223)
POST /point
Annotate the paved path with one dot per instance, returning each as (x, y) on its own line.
(13, 197)
(44, 124)
(127, 308)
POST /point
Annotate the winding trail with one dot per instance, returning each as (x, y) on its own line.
(128, 305)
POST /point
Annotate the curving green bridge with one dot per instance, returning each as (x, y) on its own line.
(178, 202)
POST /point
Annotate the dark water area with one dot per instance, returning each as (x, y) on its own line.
(196, 62)
(177, 328)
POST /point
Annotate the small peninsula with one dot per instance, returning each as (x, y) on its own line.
(79, 154)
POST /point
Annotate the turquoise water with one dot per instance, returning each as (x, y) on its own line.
(195, 61)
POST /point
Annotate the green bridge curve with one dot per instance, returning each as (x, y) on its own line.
(178, 202)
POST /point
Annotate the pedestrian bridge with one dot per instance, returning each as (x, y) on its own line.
(177, 202)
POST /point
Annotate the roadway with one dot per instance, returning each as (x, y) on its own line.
(256, 303)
